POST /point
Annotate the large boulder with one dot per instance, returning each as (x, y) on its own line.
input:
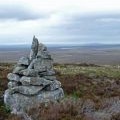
(20, 103)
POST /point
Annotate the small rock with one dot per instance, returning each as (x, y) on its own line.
(24, 61)
(18, 69)
(12, 84)
(55, 85)
(13, 77)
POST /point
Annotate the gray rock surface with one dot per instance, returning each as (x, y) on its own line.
(23, 61)
(26, 90)
(29, 72)
(32, 81)
(35, 81)
(12, 84)
(20, 102)
(55, 85)
(34, 48)
(18, 69)
(13, 77)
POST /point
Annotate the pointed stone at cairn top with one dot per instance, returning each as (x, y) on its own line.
(34, 48)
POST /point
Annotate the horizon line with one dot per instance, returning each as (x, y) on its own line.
(9, 44)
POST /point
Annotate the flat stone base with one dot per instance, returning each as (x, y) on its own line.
(20, 103)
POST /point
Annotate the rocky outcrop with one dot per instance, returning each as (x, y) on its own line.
(32, 81)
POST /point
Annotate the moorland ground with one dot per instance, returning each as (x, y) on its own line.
(92, 92)
(102, 55)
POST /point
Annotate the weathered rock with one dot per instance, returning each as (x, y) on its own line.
(34, 48)
(18, 69)
(24, 61)
(36, 65)
(55, 85)
(48, 63)
(39, 66)
(19, 103)
(42, 65)
(50, 72)
(31, 66)
(35, 81)
(13, 77)
(29, 72)
(41, 48)
(12, 84)
(44, 54)
(26, 90)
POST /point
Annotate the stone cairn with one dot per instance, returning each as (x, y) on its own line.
(32, 81)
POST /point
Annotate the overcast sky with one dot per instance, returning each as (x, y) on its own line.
(60, 21)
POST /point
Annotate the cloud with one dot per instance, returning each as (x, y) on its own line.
(107, 20)
(55, 21)
(18, 12)
(60, 28)
(84, 29)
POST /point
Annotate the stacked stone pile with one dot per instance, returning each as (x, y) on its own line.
(33, 80)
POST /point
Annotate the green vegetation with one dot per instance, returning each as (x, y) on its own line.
(90, 71)
(82, 84)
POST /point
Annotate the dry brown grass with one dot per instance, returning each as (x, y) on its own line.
(65, 110)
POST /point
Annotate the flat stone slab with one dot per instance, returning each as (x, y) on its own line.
(13, 77)
(18, 69)
(26, 90)
(29, 72)
(19, 103)
(35, 81)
